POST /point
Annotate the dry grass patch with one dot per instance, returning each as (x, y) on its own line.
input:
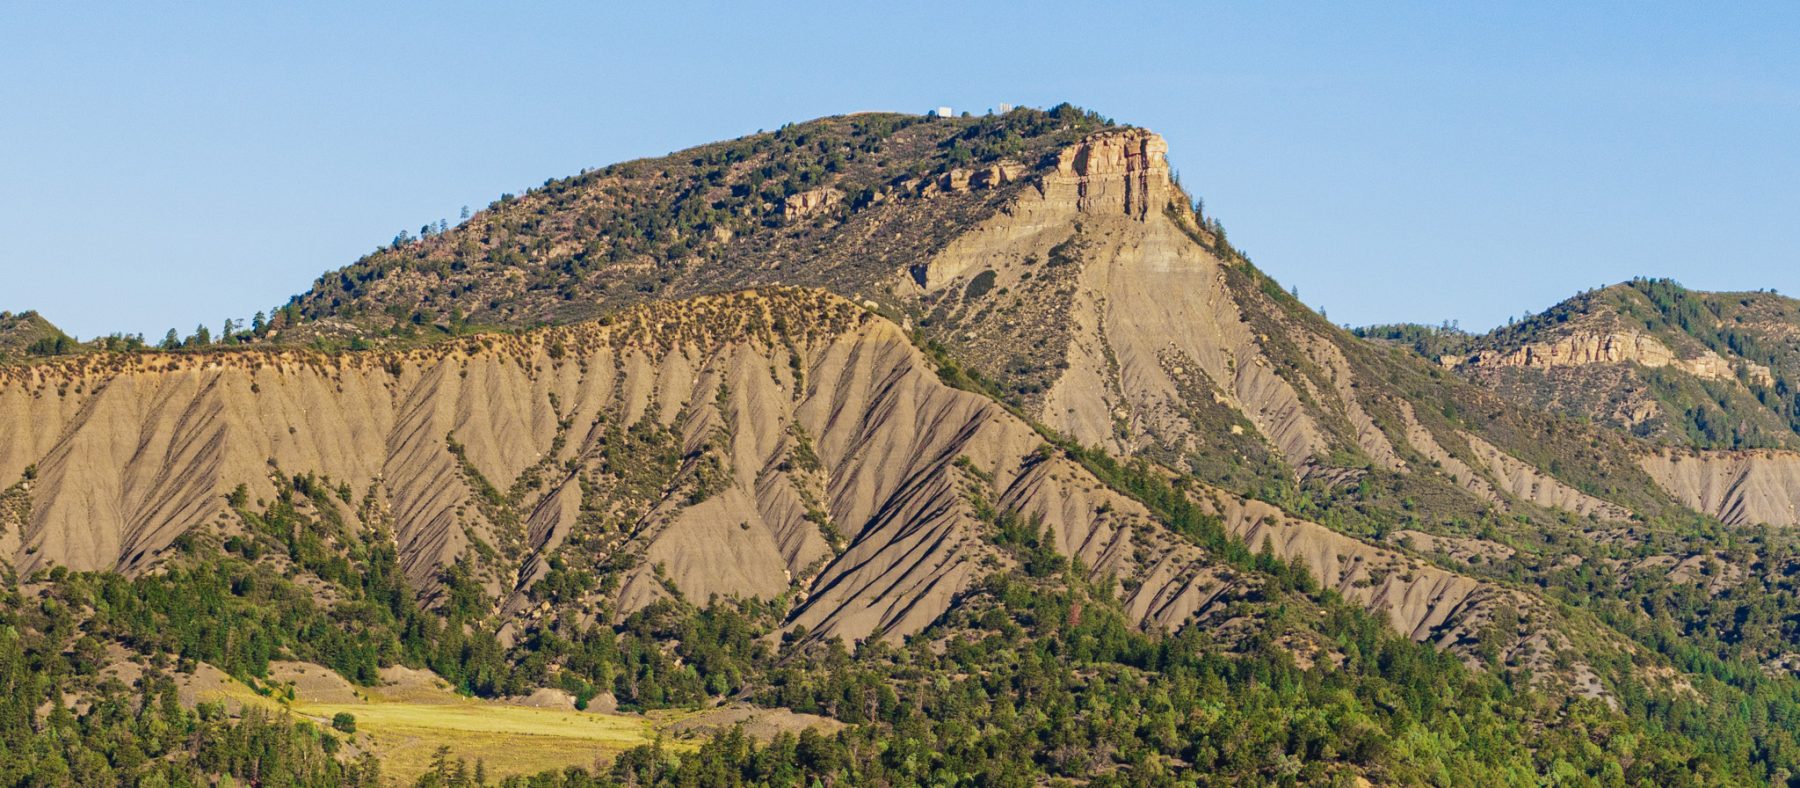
(405, 721)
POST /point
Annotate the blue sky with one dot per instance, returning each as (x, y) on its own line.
(1419, 162)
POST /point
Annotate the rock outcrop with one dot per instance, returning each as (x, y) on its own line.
(1148, 327)
(1581, 348)
(1650, 358)
(1738, 487)
(810, 202)
(1123, 171)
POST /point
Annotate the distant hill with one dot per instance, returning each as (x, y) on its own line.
(1678, 366)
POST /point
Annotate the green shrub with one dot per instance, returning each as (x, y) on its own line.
(981, 284)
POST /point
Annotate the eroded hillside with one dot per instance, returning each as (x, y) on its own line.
(745, 445)
(774, 444)
(1738, 487)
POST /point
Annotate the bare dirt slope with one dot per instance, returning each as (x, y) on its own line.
(826, 461)
(1738, 487)
(130, 453)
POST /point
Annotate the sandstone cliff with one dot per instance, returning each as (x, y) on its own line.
(1144, 331)
(1581, 348)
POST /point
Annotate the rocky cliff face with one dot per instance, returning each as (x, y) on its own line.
(1582, 348)
(1144, 329)
(1738, 487)
(1155, 344)
(1113, 172)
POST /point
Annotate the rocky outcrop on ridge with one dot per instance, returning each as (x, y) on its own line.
(1678, 367)
(1581, 348)
(1147, 328)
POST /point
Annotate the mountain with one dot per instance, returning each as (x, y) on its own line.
(941, 431)
(1052, 254)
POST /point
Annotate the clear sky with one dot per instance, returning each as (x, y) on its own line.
(1424, 162)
